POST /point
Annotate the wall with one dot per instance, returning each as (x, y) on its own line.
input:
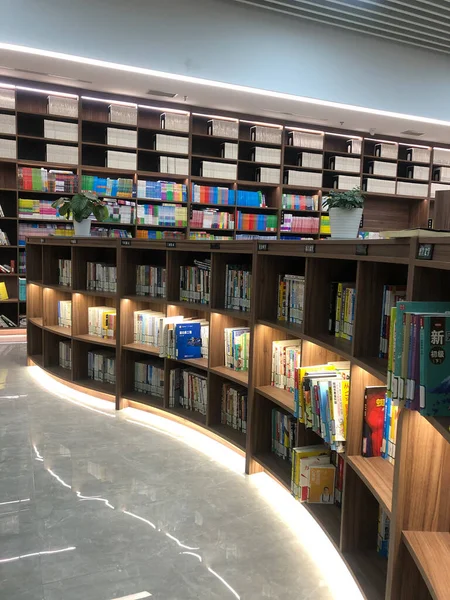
(226, 41)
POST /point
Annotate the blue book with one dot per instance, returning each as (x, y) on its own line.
(188, 340)
(435, 365)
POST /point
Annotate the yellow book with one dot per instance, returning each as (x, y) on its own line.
(345, 383)
(297, 455)
(299, 396)
(105, 321)
(321, 484)
(3, 291)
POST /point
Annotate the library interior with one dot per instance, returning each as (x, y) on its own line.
(224, 300)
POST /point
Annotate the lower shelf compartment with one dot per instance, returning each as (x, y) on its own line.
(370, 571)
(231, 435)
(190, 415)
(60, 372)
(146, 399)
(99, 386)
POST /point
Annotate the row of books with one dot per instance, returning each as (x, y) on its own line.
(6, 322)
(102, 366)
(169, 191)
(65, 272)
(233, 407)
(43, 180)
(298, 224)
(30, 208)
(149, 234)
(342, 309)
(122, 211)
(188, 390)
(164, 215)
(391, 295)
(207, 235)
(291, 291)
(105, 232)
(313, 476)
(171, 164)
(212, 219)
(206, 194)
(238, 286)
(256, 222)
(298, 202)
(151, 281)
(121, 137)
(22, 282)
(102, 322)
(284, 434)
(65, 313)
(101, 277)
(8, 268)
(237, 346)
(149, 378)
(4, 239)
(286, 359)
(65, 354)
(175, 337)
(325, 227)
(22, 263)
(107, 186)
(255, 236)
(195, 282)
(43, 230)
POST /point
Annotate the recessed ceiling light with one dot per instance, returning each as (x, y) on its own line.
(161, 94)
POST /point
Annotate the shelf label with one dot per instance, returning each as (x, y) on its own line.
(362, 249)
(425, 252)
(430, 223)
(42, 240)
(361, 223)
(171, 244)
(263, 247)
(126, 242)
(214, 246)
(310, 248)
(74, 241)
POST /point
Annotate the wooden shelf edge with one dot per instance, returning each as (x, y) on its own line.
(430, 551)
(378, 474)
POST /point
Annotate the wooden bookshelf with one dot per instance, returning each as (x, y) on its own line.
(382, 210)
(413, 492)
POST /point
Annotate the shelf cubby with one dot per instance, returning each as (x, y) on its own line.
(52, 355)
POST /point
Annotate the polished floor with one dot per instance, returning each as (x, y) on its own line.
(96, 505)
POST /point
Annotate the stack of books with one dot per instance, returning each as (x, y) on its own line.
(310, 160)
(233, 407)
(175, 121)
(195, 282)
(342, 309)
(160, 235)
(102, 366)
(127, 115)
(404, 188)
(391, 295)
(22, 289)
(304, 139)
(121, 137)
(169, 191)
(345, 182)
(218, 170)
(291, 290)
(205, 194)
(30, 208)
(151, 281)
(416, 172)
(286, 359)
(59, 130)
(238, 287)
(267, 175)
(379, 186)
(345, 163)
(313, 478)
(267, 135)
(5, 322)
(284, 429)
(162, 215)
(325, 227)
(386, 150)
(229, 150)
(110, 232)
(211, 219)
(42, 180)
(436, 187)
(149, 378)
(207, 235)
(62, 106)
(101, 277)
(8, 124)
(121, 160)
(255, 236)
(8, 148)
(256, 222)
(303, 178)
(171, 143)
(4, 239)
(42, 230)
(8, 98)
(250, 198)
(65, 272)
(266, 155)
(102, 322)
(171, 164)
(8, 268)
(65, 354)
(65, 313)
(354, 146)
(188, 389)
(122, 211)
(379, 167)
(223, 128)
(62, 154)
(297, 202)
(442, 174)
(237, 345)
(441, 156)
(296, 224)
(105, 186)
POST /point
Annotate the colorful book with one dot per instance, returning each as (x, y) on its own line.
(435, 365)
(374, 405)
(188, 340)
(321, 484)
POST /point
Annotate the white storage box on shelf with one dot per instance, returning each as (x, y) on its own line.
(310, 160)
(218, 170)
(404, 188)
(8, 148)
(62, 106)
(386, 150)
(418, 154)
(442, 174)
(174, 165)
(346, 182)
(121, 160)
(441, 156)
(7, 99)
(175, 122)
(171, 143)
(379, 186)
(8, 124)
(268, 135)
(127, 115)
(438, 187)
(221, 128)
(121, 137)
(345, 163)
(58, 130)
(268, 175)
(303, 139)
(354, 146)
(303, 178)
(229, 150)
(62, 154)
(416, 172)
(266, 155)
(386, 169)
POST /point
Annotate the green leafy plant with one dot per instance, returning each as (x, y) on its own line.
(349, 199)
(81, 206)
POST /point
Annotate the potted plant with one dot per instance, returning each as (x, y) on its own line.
(79, 208)
(345, 209)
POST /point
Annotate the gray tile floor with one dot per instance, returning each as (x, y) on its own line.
(95, 507)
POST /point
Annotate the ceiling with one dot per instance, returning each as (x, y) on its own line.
(108, 78)
(423, 23)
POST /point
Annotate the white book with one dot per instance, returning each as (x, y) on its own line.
(378, 167)
(346, 182)
(418, 154)
(386, 150)
(303, 178)
(269, 135)
(405, 188)
(268, 175)
(175, 121)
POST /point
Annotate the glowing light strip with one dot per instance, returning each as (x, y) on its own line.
(126, 512)
(414, 145)
(163, 109)
(61, 481)
(215, 117)
(216, 84)
(382, 141)
(40, 91)
(274, 125)
(350, 137)
(14, 501)
(108, 101)
(138, 596)
(44, 552)
(104, 500)
(225, 583)
(303, 129)
(437, 148)
(193, 554)
(180, 544)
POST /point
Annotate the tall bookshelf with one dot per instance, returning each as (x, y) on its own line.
(91, 119)
(413, 492)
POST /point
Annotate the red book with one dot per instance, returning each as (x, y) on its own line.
(374, 403)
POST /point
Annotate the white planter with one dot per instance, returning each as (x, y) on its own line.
(344, 223)
(82, 229)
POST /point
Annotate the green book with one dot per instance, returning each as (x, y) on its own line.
(435, 365)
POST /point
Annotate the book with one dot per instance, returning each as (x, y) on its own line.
(319, 456)
(384, 526)
(391, 295)
(3, 291)
(233, 408)
(286, 358)
(435, 365)
(374, 405)
(188, 341)
(188, 390)
(291, 290)
(321, 484)
(238, 285)
(284, 429)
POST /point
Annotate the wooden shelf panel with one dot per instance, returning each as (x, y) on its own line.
(277, 467)
(38, 321)
(240, 377)
(145, 348)
(199, 363)
(378, 474)
(146, 399)
(99, 386)
(231, 435)
(283, 398)
(60, 372)
(85, 337)
(431, 553)
(370, 572)
(64, 331)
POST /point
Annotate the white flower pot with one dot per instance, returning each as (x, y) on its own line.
(344, 223)
(82, 229)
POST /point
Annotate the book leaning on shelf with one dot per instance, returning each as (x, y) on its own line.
(65, 313)
(291, 290)
(238, 285)
(5, 322)
(188, 390)
(286, 358)
(151, 281)
(237, 344)
(101, 277)
(102, 322)
(4, 239)
(233, 408)
(65, 354)
(65, 272)
(3, 291)
(342, 309)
